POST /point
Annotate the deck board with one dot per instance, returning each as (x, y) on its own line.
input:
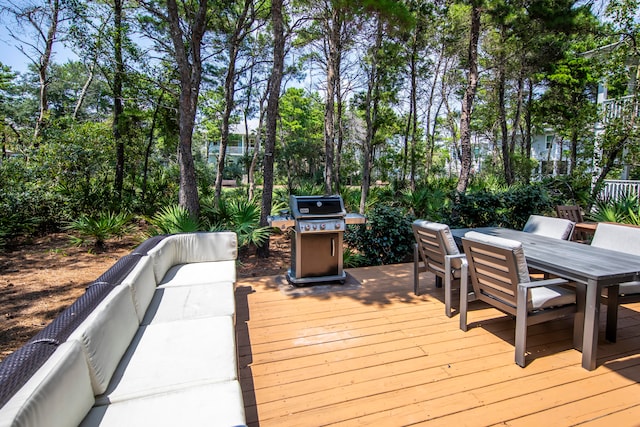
(379, 355)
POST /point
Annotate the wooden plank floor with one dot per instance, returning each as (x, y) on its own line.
(372, 353)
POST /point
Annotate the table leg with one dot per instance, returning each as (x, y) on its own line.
(591, 324)
(612, 312)
(578, 320)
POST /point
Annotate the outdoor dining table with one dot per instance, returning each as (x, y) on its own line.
(589, 266)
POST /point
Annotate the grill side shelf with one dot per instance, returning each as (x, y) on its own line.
(281, 222)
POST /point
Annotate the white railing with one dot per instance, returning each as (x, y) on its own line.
(615, 189)
(624, 108)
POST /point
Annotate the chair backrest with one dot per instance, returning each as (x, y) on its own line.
(558, 228)
(435, 241)
(617, 237)
(496, 266)
(570, 212)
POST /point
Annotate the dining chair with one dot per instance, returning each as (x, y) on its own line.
(436, 251)
(558, 228)
(500, 278)
(621, 238)
(570, 212)
(574, 213)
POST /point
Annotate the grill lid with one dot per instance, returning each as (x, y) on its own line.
(316, 206)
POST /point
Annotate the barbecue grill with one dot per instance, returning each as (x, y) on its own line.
(316, 251)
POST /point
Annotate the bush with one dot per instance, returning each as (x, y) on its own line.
(100, 228)
(386, 238)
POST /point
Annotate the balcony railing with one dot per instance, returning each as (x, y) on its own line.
(624, 108)
(615, 189)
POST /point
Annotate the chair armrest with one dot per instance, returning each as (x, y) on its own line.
(547, 282)
(463, 256)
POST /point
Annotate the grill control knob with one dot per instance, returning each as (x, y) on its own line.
(315, 226)
(306, 227)
(323, 226)
(337, 226)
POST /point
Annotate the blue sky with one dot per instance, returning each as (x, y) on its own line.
(11, 56)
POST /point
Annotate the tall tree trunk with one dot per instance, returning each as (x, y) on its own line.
(118, 107)
(189, 61)
(467, 101)
(371, 118)
(333, 27)
(43, 65)
(340, 125)
(229, 92)
(528, 128)
(277, 21)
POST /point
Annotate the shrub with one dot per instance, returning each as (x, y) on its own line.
(174, 219)
(386, 238)
(100, 228)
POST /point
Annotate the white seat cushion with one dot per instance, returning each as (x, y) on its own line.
(550, 296)
(59, 394)
(173, 303)
(218, 404)
(174, 355)
(200, 273)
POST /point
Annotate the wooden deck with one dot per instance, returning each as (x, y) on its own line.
(372, 353)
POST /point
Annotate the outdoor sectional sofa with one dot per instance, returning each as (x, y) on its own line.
(151, 342)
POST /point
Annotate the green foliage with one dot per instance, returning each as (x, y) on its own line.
(352, 258)
(242, 216)
(174, 219)
(238, 214)
(386, 238)
(99, 228)
(625, 210)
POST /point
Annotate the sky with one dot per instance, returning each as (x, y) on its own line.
(11, 56)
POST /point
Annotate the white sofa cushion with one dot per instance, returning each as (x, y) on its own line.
(173, 355)
(59, 394)
(199, 273)
(193, 248)
(191, 302)
(218, 404)
(142, 282)
(558, 228)
(106, 333)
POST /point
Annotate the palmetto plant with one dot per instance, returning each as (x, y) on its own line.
(245, 221)
(625, 210)
(241, 215)
(174, 219)
(99, 228)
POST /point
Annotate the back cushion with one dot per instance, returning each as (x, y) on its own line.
(59, 394)
(143, 285)
(192, 247)
(617, 237)
(106, 334)
(558, 228)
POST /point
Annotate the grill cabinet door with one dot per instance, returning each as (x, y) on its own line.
(318, 255)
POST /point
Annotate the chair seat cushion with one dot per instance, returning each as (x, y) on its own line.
(629, 288)
(218, 404)
(550, 296)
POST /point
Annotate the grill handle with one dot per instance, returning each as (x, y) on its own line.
(333, 247)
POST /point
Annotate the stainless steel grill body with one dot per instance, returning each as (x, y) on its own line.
(316, 250)
(319, 223)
